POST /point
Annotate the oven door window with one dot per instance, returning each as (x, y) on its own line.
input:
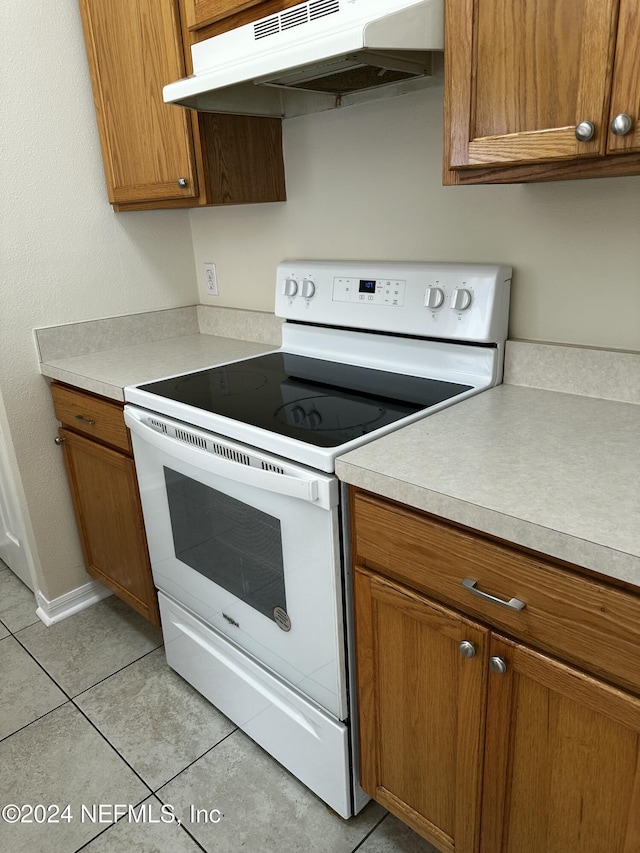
(233, 544)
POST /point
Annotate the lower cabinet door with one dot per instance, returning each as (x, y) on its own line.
(562, 760)
(105, 495)
(421, 710)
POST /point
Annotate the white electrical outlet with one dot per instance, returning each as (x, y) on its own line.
(210, 279)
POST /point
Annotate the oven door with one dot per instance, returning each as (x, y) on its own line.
(249, 543)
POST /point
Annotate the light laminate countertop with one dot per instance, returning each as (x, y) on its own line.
(555, 472)
(108, 372)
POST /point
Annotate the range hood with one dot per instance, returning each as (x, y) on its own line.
(316, 56)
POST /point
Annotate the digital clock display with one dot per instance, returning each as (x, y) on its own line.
(367, 286)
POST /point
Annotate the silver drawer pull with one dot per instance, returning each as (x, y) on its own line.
(85, 420)
(512, 604)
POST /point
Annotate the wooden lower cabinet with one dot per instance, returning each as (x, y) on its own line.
(104, 491)
(421, 711)
(562, 760)
(507, 750)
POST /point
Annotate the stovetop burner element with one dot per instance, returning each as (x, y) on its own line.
(350, 417)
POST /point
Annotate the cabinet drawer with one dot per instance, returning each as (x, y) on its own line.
(92, 416)
(582, 620)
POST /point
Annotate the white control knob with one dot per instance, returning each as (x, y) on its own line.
(461, 299)
(290, 287)
(434, 297)
(308, 288)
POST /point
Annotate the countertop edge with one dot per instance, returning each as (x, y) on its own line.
(601, 559)
(83, 383)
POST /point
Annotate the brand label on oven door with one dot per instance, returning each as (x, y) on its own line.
(231, 621)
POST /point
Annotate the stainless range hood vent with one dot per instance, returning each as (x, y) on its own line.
(316, 56)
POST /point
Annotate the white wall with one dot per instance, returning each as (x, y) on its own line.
(65, 256)
(365, 183)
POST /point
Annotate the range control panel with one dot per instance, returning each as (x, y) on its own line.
(369, 290)
(453, 301)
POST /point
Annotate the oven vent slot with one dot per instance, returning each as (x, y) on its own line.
(189, 438)
(158, 425)
(215, 447)
(269, 466)
(229, 453)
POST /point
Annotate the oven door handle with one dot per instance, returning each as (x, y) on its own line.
(302, 488)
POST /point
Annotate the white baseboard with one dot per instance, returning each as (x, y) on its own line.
(72, 602)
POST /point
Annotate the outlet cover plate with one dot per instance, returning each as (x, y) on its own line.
(210, 279)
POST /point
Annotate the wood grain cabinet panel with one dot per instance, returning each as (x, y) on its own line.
(562, 759)
(508, 750)
(95, 417)
(202, 12)
(421, 711)
(520, 78)
(625, 96)
(206, 18)
(104, 491)
(580, 619)
(159, 155)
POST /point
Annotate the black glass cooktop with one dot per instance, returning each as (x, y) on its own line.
(319, 402)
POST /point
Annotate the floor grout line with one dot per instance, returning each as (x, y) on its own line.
(150, 791)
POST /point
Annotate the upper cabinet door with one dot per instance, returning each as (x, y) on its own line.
(134, 48)
(522, 76)
(625, 97)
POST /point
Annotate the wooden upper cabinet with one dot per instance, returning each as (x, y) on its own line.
(520, 78)
(134, 48)
(159, 155)
(625, 96)
(206, 18)
(203, 12)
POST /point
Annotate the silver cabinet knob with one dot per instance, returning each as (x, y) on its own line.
(585, 130)
(183, 183)
(498, 665)
(621, 124)
(57, 440)
(467, 649)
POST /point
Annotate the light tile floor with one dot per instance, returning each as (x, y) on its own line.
(91, 716)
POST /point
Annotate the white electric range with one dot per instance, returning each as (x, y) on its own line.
(245, 520)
